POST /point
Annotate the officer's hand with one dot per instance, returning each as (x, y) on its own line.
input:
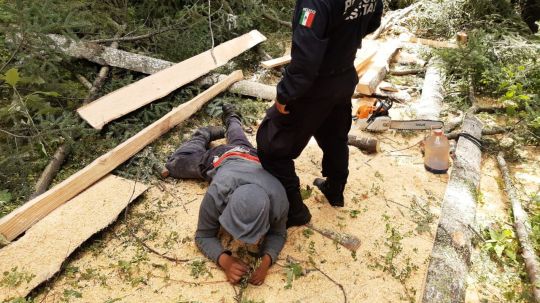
(259, 275)
(281, 108)
(234, 268)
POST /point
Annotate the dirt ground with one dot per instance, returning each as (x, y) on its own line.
(392, 205)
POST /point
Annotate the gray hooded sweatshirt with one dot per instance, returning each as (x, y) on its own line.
(231, 174)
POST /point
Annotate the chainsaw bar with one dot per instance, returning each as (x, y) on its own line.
(416, 124)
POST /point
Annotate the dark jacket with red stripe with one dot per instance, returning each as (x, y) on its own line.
(324, 46)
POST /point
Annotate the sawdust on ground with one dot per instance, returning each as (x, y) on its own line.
(392, 206)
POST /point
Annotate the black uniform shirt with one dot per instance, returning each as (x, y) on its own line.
(326, 37)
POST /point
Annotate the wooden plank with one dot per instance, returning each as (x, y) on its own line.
(277, 62)
(42, 250)
(450, 258)
(36, 209)
(158, 85)
(377, 70)
(365, 55)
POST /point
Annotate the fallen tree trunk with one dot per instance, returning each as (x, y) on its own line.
(51, 170)
(18, 221)
(391, 20)
(430, 104)
(523, 229)
(147, 65)
(450, 257)
(367, 145)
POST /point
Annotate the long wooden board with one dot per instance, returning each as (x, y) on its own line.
(42, 250)
(365, 55)
(276, 62)
(377, 70)
(36, 209)
(158, 85)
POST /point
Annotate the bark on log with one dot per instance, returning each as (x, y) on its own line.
(51, 170)
(406, 72)
(523, 229)
(367, 145)
(148, 65)
(391, 20)
(430, 104)
(103, 72)
(450, 257)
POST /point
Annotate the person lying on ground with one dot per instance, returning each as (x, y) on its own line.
(243, 199)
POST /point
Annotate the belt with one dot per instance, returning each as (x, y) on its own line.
(242, 155)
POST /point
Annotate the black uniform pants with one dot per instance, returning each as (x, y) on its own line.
(281, 138)
(194, 158)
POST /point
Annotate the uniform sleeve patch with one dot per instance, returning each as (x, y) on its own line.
(308, 15)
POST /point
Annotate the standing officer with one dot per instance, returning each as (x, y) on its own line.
(314, 97)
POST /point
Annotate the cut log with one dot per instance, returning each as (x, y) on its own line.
(390, 20)
(406, 72)
(18, 221)
(523, 229)
(159, 85)
(51, 170)
(276, 62)
(84, 81)
(44, 248)
(450, 257)
(148, 65)
(246, 88)
(377, 70)
(432, 43)
(367, 145)
(430, 104)
(462, 38)
(104, 55)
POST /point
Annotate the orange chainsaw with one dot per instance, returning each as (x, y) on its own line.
(375, 118)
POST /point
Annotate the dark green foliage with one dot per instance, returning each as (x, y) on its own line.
(38, 114)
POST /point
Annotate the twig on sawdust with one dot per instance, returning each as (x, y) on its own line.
(315, 268)
(188, 282)
(139, 240)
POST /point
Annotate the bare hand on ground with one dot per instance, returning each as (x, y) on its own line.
(259, 275)
(234, 268)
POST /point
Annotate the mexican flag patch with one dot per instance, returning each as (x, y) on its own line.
(308, 15)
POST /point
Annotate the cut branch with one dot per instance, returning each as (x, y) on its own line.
(523, 229)
(391, 20)
(485, 132)
(51, 170)
(272, 18)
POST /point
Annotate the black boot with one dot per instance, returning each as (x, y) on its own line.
(333, 191)
(211, 133)
(298, 212)
(229, 112)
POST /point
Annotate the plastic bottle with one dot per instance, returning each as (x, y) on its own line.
(436, 157)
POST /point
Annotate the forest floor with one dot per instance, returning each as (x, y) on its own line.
(392, 206)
